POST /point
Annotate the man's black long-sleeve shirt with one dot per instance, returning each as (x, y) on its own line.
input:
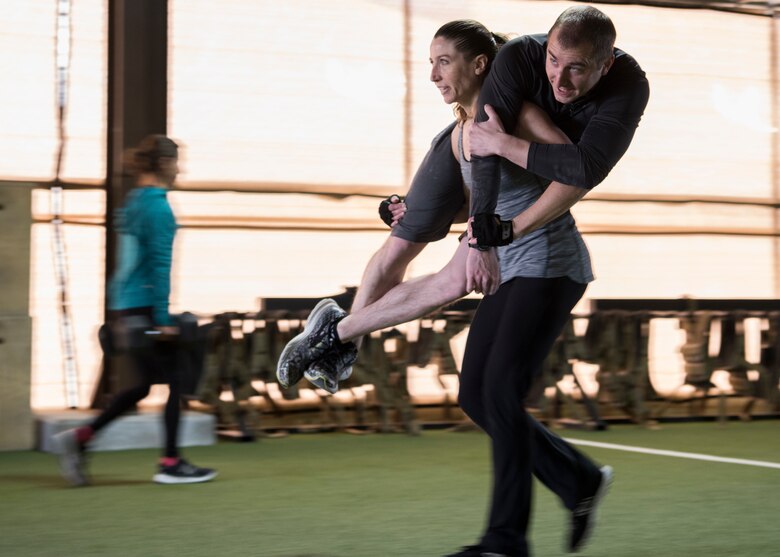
(601, 123)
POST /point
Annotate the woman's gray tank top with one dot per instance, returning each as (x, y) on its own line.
(553, 250)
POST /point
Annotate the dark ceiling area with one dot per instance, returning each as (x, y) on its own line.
(767, 8)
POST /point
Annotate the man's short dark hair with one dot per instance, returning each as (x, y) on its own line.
(580, 25)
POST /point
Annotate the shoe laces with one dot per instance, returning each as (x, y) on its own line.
(324, 338)
(334, 362)
(185, 466)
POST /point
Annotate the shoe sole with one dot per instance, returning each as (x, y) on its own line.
(607, 474)
(321, 381)
(172, 480)
(310, 322)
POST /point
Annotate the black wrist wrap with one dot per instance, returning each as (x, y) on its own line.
(384, 208)
(491, 231)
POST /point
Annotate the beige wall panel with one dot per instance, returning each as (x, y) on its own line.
(15, 248)
(16, 424)
(17, 428)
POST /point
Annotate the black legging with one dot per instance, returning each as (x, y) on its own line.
(509, 338)
(152, 366)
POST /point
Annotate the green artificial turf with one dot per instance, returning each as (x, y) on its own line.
(339, 495)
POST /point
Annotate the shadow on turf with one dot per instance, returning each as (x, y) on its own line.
(110, 482)
(57, 481)
(43, 481)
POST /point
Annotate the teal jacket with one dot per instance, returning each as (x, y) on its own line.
(146, 228)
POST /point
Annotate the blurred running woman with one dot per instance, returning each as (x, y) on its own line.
(140, 288)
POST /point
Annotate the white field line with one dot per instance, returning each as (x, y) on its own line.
(675, 454)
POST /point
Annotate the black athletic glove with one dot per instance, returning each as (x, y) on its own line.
(384, 208)
(490, 230)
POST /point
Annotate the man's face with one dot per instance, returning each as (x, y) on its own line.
(572, 72)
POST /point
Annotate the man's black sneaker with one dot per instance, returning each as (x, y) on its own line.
(333, 367)
(317, 338)
(72, 457)
(476, 551)
(585, 514)
(183, 473)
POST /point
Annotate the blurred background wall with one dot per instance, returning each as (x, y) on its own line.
(298, 116)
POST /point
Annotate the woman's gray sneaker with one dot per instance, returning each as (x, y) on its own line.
(318, 337)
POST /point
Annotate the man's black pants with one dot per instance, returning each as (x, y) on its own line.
(512, 333)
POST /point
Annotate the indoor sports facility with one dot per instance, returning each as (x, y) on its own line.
(294, 120)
